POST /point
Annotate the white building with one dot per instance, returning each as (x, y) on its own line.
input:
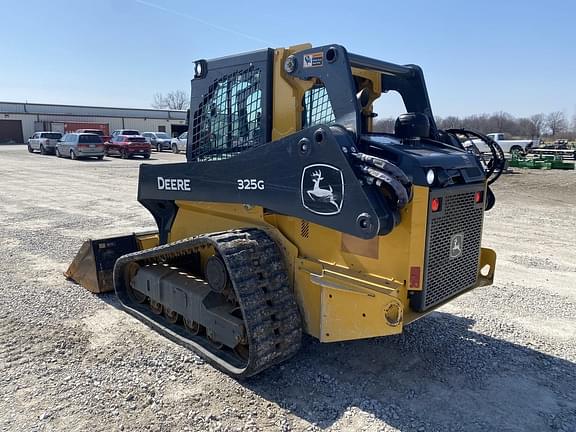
(18, 121)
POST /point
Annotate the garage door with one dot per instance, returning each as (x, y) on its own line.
(11, 132)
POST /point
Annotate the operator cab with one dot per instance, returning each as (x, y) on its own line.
(231, 110)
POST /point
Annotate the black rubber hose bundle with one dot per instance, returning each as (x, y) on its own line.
(385, 173)
(380, 178)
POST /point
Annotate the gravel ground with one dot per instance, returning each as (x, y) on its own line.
(500, 358)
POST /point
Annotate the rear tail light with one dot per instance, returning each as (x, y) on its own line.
(478, 197)
(414, 277)
(436, 204)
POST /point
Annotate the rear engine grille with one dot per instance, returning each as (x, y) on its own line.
(448, 271)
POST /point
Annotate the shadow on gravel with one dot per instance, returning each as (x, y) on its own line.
(138, 159)
(438, 375)
(110, 298)
(93, 160)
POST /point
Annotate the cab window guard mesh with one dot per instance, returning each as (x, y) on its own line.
(229, 119)
(317, 107)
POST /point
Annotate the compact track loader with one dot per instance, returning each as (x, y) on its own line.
(291, 214)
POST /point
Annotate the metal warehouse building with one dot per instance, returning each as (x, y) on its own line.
(18, 121)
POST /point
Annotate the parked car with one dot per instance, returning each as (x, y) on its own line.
(95, 131)
(179, 144)
(123, 132)
(507, 145)
(127, 146)
(45, 142)
(158, 140)
(80, 145)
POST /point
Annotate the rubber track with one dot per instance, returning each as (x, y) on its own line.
(260, 280)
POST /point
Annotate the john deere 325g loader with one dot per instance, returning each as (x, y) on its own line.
(291, 214)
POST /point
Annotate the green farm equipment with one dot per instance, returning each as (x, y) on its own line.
(540, 162)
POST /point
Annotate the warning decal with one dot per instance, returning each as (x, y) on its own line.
(313, 60)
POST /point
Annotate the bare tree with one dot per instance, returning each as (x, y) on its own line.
(527, 127)
(175, 100)
(556, 122)
(501, 121)
(533, 126)
(538, 123)
(449, 122)
(158, 102)
(385, 125)
(524, 127)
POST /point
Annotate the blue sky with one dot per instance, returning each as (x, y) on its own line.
(482, 56)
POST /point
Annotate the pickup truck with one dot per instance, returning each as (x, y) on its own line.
(45, 142)
(507, 145)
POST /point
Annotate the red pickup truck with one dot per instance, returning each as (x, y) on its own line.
(127, 146)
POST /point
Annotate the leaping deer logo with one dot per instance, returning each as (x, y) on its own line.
(327, 199)
(319, 194)
(456, 242)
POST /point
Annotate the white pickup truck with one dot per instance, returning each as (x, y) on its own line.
(507, 145)
(45, 142)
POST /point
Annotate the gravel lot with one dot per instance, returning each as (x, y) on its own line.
(500, 358)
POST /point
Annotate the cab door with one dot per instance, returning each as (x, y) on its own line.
(114, 146)
(65, 149)
(34, 141)
(182, 140)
